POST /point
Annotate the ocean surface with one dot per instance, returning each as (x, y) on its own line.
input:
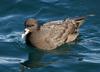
(82, 55)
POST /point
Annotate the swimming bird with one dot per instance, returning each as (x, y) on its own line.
(52, 34)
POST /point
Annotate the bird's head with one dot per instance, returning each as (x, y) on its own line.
(30, 25)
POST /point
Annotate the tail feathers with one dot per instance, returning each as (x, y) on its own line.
(80, 18)
(79, 21)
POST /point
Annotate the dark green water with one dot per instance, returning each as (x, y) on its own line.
(82, 55)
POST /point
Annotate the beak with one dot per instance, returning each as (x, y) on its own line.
(25, 33)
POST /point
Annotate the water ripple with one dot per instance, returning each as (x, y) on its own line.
(17, 1)
(91, 43)
(7, 17)
(91, 57)
(11, 60)
(49, 1)
(12, 37)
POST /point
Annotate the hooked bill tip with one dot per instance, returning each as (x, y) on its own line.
(26, 32)
(23, 35)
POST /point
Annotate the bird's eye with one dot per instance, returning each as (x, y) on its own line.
(32, 25)
(29, 25)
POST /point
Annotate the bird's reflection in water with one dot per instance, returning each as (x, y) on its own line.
(36, 57)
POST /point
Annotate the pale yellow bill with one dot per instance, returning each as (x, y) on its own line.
(25, 33)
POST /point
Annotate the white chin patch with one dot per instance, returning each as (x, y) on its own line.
(26, 32)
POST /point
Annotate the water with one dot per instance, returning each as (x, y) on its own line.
(83, 55)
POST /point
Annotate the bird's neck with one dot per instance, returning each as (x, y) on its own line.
(27, 38)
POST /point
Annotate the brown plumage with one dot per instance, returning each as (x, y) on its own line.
(52, 34)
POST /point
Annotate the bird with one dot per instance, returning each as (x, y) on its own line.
(51, 34)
